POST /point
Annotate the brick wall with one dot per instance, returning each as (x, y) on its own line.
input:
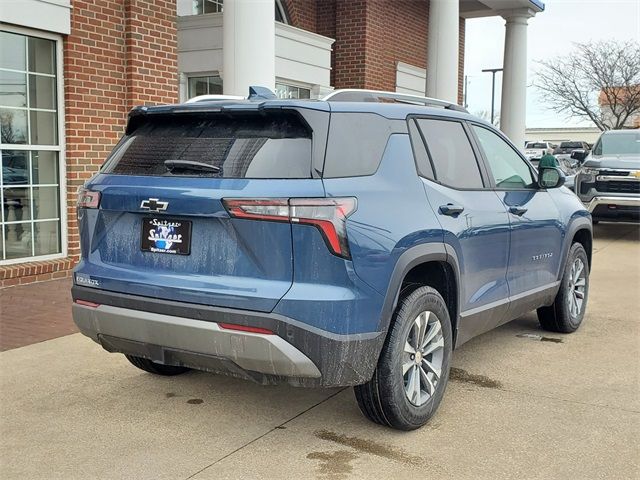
(120, 53)
(372, 36)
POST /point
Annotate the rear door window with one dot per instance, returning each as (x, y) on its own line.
(450, 151)
(215, 145)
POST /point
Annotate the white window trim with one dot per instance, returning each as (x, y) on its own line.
(190, 75)
(61, 148)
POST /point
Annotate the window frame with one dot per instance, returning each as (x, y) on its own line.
(207, 75)
(487, 165)
(484, 173)
(60, 148)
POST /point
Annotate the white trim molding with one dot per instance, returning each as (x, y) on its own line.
(60, 147)
(46, 15)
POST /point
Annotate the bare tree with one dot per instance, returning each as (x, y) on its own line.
(486, 115)
(599, 81)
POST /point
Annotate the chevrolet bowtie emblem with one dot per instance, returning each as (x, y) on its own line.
(154, 205)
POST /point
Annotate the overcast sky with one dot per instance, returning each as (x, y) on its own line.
(550, 33)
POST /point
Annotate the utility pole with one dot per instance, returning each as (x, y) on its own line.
(493, 88)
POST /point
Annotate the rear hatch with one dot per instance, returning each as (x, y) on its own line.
(161, 228)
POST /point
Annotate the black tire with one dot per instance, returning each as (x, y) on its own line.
(157, 368)
(558, 316)
(383, 399)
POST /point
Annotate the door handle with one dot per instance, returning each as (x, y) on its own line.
(451, 209)
(517, 210)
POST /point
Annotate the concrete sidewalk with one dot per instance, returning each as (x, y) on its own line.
(517, 407)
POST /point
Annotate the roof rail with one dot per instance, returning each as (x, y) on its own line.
(358, 95)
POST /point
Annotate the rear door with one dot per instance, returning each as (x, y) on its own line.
(536, 228)
(162, 229)
(474, 221)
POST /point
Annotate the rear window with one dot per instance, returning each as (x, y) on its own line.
(570, 145)
(536, 145)
(215, 145)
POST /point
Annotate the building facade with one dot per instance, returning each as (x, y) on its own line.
(71, 70)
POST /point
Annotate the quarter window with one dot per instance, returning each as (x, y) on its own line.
(30, 220)
(453, 159)
(509, 170)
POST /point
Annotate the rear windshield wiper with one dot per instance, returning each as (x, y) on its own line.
(191, 166)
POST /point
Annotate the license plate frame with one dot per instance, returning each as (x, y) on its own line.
(170, 236)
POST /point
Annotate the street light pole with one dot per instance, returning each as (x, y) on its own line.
(493, 87)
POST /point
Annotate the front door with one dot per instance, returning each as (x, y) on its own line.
(536, 227)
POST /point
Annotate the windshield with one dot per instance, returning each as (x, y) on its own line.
(570, 145)
(536, 145)
(618, 144)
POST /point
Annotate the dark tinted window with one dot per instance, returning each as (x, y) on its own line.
(571, 145)
(423, 163)
(536, 145)
(451, 153)
(249, 146)
(356, 144)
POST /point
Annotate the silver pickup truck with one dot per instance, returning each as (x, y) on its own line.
(609, 181)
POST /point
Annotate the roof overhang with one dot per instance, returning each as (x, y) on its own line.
(494, 8)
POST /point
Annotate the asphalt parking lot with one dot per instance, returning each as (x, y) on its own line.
(522, 404)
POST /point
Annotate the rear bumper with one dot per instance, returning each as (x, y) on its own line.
(176, 333)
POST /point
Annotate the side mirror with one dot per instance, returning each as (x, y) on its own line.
(550, 177)
(579, 155)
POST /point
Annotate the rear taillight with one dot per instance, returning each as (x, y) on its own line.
(328, 215)
(88, 198)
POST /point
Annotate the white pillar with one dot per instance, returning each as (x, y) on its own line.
(442, 50)
(513, 111)
(248, 46)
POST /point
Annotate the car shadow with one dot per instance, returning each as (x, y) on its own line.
(616, 231)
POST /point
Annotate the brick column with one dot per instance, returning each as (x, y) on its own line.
(151, 52)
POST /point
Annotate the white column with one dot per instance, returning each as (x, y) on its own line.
(442, 50)
(513, 111)
(248, 46)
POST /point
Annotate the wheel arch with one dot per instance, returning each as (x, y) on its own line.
(435, 262)
(579, 230)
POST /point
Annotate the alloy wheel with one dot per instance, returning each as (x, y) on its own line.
(577, 287)
(423, 357)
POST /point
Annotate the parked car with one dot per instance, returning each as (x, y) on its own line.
(567, 148)
(534, 151)
(569, 167)
(609, 181)
(352, 241)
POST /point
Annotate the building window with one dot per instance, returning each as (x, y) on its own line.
(209, 85)
(206, 6)
(201, 7)
(291, 91)
(30, 147)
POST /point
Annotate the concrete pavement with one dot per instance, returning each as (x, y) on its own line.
(518, 407)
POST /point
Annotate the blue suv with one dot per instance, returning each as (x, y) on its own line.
(355, 240)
